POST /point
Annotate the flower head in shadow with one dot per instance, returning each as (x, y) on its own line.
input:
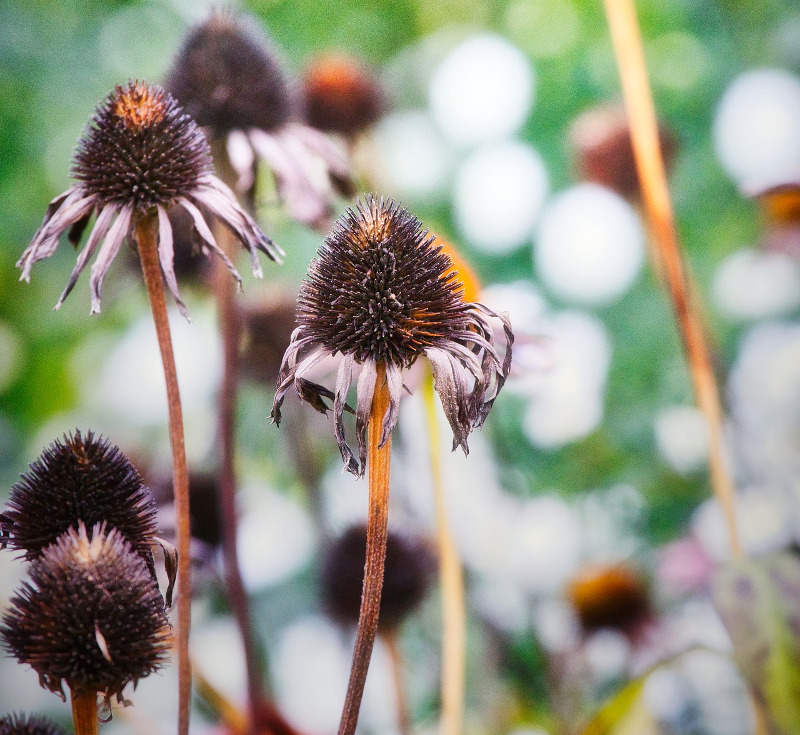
(381, 292)
(230, 80)
(139, 154)
(18, 724)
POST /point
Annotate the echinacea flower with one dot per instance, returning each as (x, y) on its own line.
(140, 154)
(380, 291)
(19, 724)
(230, 80)
(90, 616)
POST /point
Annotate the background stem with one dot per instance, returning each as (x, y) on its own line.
(230, 331)
(390, 638)
(146, 238)
(451, 585)
(627, 43)
(84, 713)
(377, 524)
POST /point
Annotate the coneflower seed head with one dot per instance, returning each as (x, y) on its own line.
(141, 149)
(227, 78)
(81, 478)
(18, 724)
(380, 288)
(90, 615)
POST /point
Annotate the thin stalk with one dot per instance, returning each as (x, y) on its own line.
(230, 330)
(377, 529)
(627, 43)
(146, 238)
(84, 713)
(392, 644)
(451, 584)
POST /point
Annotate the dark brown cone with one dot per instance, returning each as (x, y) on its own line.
(91, 616)
(608, 596)
(228, 78)
(409, 571)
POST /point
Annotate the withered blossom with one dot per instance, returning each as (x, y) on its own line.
(19, 724)
(407, 577)
(80, 478)
(229, 78)
(380, 291)
(90, 616)
(141, 153)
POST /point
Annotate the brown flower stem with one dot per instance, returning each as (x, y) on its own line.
(392, 644)
(231, 328)
(146, 238)
(84, 713)
(377, 529)
(627, 42)
(451, 584)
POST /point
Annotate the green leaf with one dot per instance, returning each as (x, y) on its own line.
(759, 602)
(614, 711)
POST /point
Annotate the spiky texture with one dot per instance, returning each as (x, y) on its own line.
(228, 78)
(91, 616)
(140, 149)
(82, 477)
(18, 724)
(407, 577)
(379, 288)
(341, 95)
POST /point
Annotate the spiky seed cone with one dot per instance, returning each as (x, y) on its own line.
(379, 288)
(408, 573)
(608, 596)
(91, 616)
(341, 95)
(18, 724)
(141, 149)
(227, 78)
(80, 478)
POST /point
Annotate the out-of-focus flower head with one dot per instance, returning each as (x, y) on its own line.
(90, 616)
(268, 325)
(781, 207)
(140, 154)
(342, 95)
(608, 596)
(603, 152)
(382, 294)
(230, 79)
(409, 571)
(18, 724)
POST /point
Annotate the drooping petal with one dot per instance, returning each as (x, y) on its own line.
(95, 236)
(108, 252)
(394, 382)
(365, 389)
(333, 154)
(452, 393)
(242, 158)
(343, 379)
(290, 374)
(205, 234)
(166, 256)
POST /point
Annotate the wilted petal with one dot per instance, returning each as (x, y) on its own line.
(166, 256)
(394, 382)
(242, 158)
(205, 234)
(291, 374)
(450, 385)
(329, 150)
(365, 389)
(107, 253)
(343, 379)
(95, 236)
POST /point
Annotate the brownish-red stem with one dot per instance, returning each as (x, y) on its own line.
(147, 241)
(230, 329)
(84, 713)
(377, 524)
(627, 43)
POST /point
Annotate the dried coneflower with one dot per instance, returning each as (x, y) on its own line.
(229, 78)
(608, 596)
(141, 154)
(80, 478)
(90, 617)
(382, 294)
(601, 142)
(18, 724)
(342, 95)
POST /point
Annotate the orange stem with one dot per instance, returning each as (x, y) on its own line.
(147, 240)
(627, 43)
(377, 529)
(84, 713)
